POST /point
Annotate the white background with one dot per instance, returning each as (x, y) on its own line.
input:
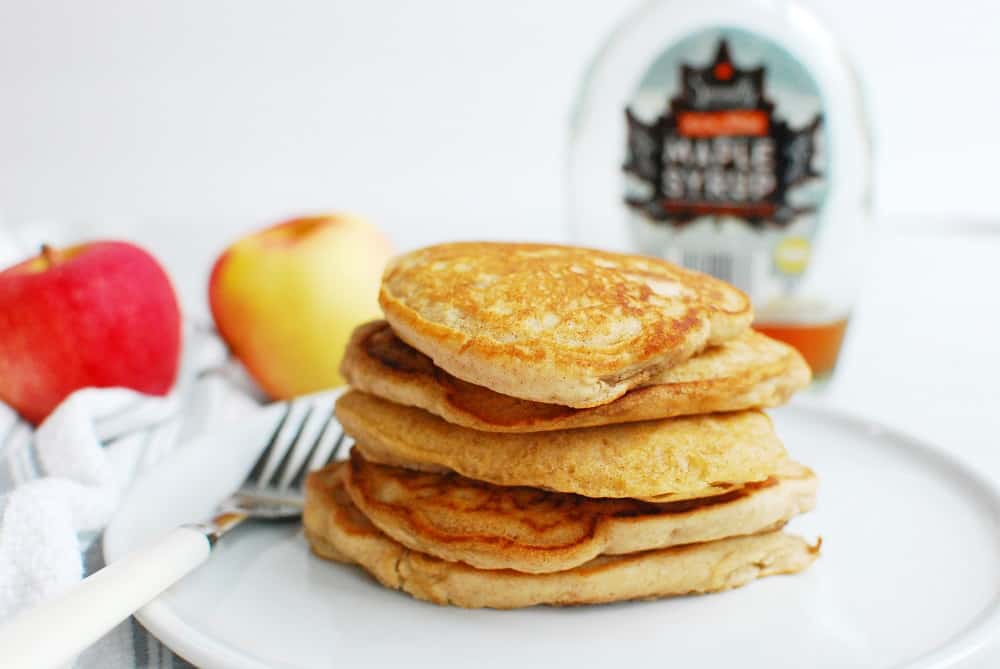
(439, 118)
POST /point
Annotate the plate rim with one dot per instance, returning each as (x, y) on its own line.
(206, 651)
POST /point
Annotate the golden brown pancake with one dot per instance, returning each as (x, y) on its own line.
(556, 324)
(672, 458)
(337, 530)
(536, 531)
(751, 371)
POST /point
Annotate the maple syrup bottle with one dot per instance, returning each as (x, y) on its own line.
(730, 136)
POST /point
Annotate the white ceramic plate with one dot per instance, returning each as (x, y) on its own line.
(909, 576)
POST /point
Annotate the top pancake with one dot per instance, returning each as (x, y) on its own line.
(556, 324)
(751, 371)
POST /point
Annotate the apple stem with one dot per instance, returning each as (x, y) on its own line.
(50, 254)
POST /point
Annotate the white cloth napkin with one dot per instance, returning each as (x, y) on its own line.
(60, 484)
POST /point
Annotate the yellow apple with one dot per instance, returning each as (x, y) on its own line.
(286, 298)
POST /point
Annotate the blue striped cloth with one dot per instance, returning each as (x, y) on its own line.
(135, 433)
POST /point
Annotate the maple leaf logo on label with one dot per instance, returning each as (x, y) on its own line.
(719, 149)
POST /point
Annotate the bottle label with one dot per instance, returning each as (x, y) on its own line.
(725, 169)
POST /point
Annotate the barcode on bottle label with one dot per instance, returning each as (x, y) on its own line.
(734, 268)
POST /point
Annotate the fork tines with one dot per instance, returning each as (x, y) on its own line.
(304, 439)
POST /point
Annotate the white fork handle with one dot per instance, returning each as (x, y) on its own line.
(52, 633)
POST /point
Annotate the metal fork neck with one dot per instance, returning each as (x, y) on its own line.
(218, 526)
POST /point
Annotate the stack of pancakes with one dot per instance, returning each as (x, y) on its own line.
(550, 425)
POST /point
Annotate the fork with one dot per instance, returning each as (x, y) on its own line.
(52, 633)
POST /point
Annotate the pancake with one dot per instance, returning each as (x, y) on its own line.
(535, 531)
(751, 371)
(673, 458)
(337, 530)
(556, 324)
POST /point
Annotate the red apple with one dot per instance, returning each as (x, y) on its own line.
(100, 314)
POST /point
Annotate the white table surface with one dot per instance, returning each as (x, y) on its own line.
(923, 349)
